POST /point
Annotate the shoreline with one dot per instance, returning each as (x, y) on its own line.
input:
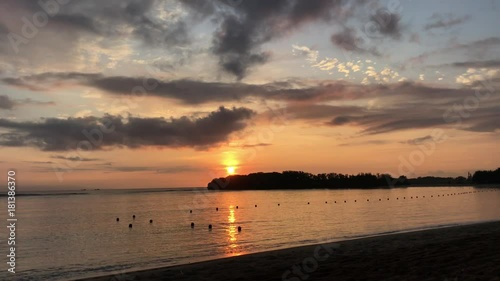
(358, 258)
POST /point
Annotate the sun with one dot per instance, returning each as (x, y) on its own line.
(231, 170)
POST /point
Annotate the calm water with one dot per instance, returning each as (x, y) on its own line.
(61, 237)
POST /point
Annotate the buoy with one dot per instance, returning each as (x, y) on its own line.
(133, 217)
(308, 203)
(387, 198)
(130, 225)
(192, 225)
(335, 202)
(326, 202)
(278, 204)
(190, 211)
(117, 219)
(150, 221)
(255, 206)
(239, 228)
(236, 207)
(397, 198)
(217, 209)
(355, 201)
(367, 200)
(210, 227)
(379, 199)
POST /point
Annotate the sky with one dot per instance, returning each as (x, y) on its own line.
(164, 93)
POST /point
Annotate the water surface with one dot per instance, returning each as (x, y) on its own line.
(68, 236)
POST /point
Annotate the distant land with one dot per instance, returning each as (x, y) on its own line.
(304, 180)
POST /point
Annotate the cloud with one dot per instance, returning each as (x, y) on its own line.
(112, 18)
(368, 142)
(293, 90)
(244, 26)
(417, 141)
(479, 47)
(8, 103)
(349, 41)
(115, 131)
(445, 21)
(386, 23)
(410, 117)
(74, 158)
(310, 54)
(478, 76)
(475, 64)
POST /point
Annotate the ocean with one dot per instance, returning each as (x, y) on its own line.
(75, 234)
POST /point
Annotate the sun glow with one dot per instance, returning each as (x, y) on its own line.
(231, 170)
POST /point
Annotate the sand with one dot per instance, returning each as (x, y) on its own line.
(470, 252)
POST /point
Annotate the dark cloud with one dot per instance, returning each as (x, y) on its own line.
(417, 141)
(385, 23)
(197, 92)
(6, 102)
(244, 26)
(412, 117)
(104, 19)
(74, 158)
(115, 131)
(254, 145)
(445, 21)
(476, 64)
(349, 41)
(368, 142)
(154, 169)
(479, 48)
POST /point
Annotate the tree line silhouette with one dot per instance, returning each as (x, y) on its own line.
(304, 180)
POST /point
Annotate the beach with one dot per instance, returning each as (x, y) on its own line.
(467, 252)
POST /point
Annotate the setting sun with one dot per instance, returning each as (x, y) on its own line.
(231, 170)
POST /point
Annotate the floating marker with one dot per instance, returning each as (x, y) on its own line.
(278, 204)
(130, 225)
(236, 207)
(133, 217)
(217, 209)
(117, 219)
(255, 206)
(192, 225)
(239, 228)
(210, 227)
(308, 203)
(190, 211)
(150, 221)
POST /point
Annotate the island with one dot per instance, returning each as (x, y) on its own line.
(304, 180)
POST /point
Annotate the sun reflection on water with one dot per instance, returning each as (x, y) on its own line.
(233, 248)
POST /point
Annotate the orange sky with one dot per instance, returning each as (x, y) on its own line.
(191, 93)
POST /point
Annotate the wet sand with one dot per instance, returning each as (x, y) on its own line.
(470, 252)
